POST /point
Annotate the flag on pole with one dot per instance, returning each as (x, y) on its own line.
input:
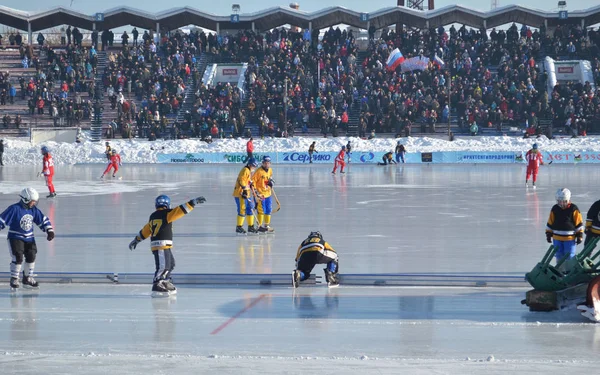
(415, 63)
(394, 60)
(439, 62)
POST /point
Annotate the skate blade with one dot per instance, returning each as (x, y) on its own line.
(294, 283)
(332, 285)
(163, 294)
(28, 287)
(590, 315)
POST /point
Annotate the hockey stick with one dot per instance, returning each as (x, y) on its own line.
(276, 200)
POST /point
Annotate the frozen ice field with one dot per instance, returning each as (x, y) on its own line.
(398, 219)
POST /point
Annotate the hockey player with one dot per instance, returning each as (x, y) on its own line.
(243, 197)
(160, 230)
(115, 162)
(19, 218)
(348, 151)
(312, 251)
(592, 223)
(400, 152)
(387, 159)
(262, 182)
(108, 152)
(311, 149)
(565, 225)
(534, 158)
(339, 161)
(48, 171)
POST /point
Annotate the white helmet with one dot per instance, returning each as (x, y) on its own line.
(29, 194)
(563, 197)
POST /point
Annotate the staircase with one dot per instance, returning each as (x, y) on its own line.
(96, 126)
(190, 88)
(354, 113)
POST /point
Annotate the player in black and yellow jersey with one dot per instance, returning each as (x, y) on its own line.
(565, 225)
(160, 230)
(592, 223)
(312, 251)
(387, 159)
(108, 151)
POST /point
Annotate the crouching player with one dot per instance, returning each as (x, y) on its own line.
(19, 218)
(312, 251)
(160, 230)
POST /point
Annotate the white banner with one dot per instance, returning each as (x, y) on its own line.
(228, 73)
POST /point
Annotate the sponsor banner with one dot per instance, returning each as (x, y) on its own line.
(480, 157)
(357, 157)
(228, 73)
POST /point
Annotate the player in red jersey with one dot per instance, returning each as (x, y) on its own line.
(339, 161)
(48, 171)
(534, 158)
(115, 162)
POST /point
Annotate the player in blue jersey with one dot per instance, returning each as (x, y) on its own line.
(19, 218)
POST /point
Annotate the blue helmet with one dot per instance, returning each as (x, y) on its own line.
(162, 201)
(343, 147)
(45, 150)
(251, 163)
(266, 159)
(535, 146)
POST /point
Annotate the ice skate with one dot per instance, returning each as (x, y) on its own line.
(30, 283)
(265, 229)
(252, 230)
(240, 230)
(170, 287)
(159, 289)
(331, 278)
(51, 195)
(533, 185)
(14, 284)
(296, 276)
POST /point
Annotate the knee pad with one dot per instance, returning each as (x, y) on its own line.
(333, 266)
(18, 259)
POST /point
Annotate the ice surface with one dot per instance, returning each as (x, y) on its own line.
(414, 218)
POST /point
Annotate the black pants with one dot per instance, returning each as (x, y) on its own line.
(308, 260)
(165, 263)
(589, 237)
(20, 249)
(1, 163)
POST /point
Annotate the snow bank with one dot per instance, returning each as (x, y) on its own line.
(21, 152)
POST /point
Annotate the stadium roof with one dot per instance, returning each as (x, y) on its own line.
(278, 16)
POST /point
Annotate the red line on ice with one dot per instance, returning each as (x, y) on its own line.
(239, 313)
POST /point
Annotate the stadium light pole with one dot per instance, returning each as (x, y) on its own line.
(449, 100)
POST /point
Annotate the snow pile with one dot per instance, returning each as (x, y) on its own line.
(19, 152)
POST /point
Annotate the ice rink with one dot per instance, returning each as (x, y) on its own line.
(394, 219)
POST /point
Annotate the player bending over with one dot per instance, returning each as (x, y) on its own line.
(312, 251)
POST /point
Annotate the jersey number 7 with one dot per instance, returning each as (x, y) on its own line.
(156, 224)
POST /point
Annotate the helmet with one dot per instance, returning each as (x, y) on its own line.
(398, 142)
(162, 201)
(114, 152)
(315, 234)
(45, 150)
(251, 163)
(266, 159)
(343, 147)
(107, 143)
(535, 146)
(563, 197)
(29, 194)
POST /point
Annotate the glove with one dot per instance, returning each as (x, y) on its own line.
(579, 239)
(245, 194)
(270, 182)
(50, 235)
(133, 244)
(196, 201)
(549, 237)
(250, 204)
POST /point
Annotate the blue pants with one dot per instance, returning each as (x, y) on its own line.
(265, 206)
(565, 248)
(399, 156)
(243, 208)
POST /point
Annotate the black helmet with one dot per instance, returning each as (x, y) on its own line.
(315, 234)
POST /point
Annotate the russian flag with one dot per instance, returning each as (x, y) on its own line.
(394, 60)
(439, 62)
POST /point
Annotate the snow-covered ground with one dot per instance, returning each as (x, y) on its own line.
(140, 151)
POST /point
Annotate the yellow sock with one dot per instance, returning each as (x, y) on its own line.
(260, 219)
(250, 220)
(240, 221)
(267, 219)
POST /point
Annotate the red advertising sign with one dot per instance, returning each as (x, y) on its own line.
(565, 69)
(230, 72)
